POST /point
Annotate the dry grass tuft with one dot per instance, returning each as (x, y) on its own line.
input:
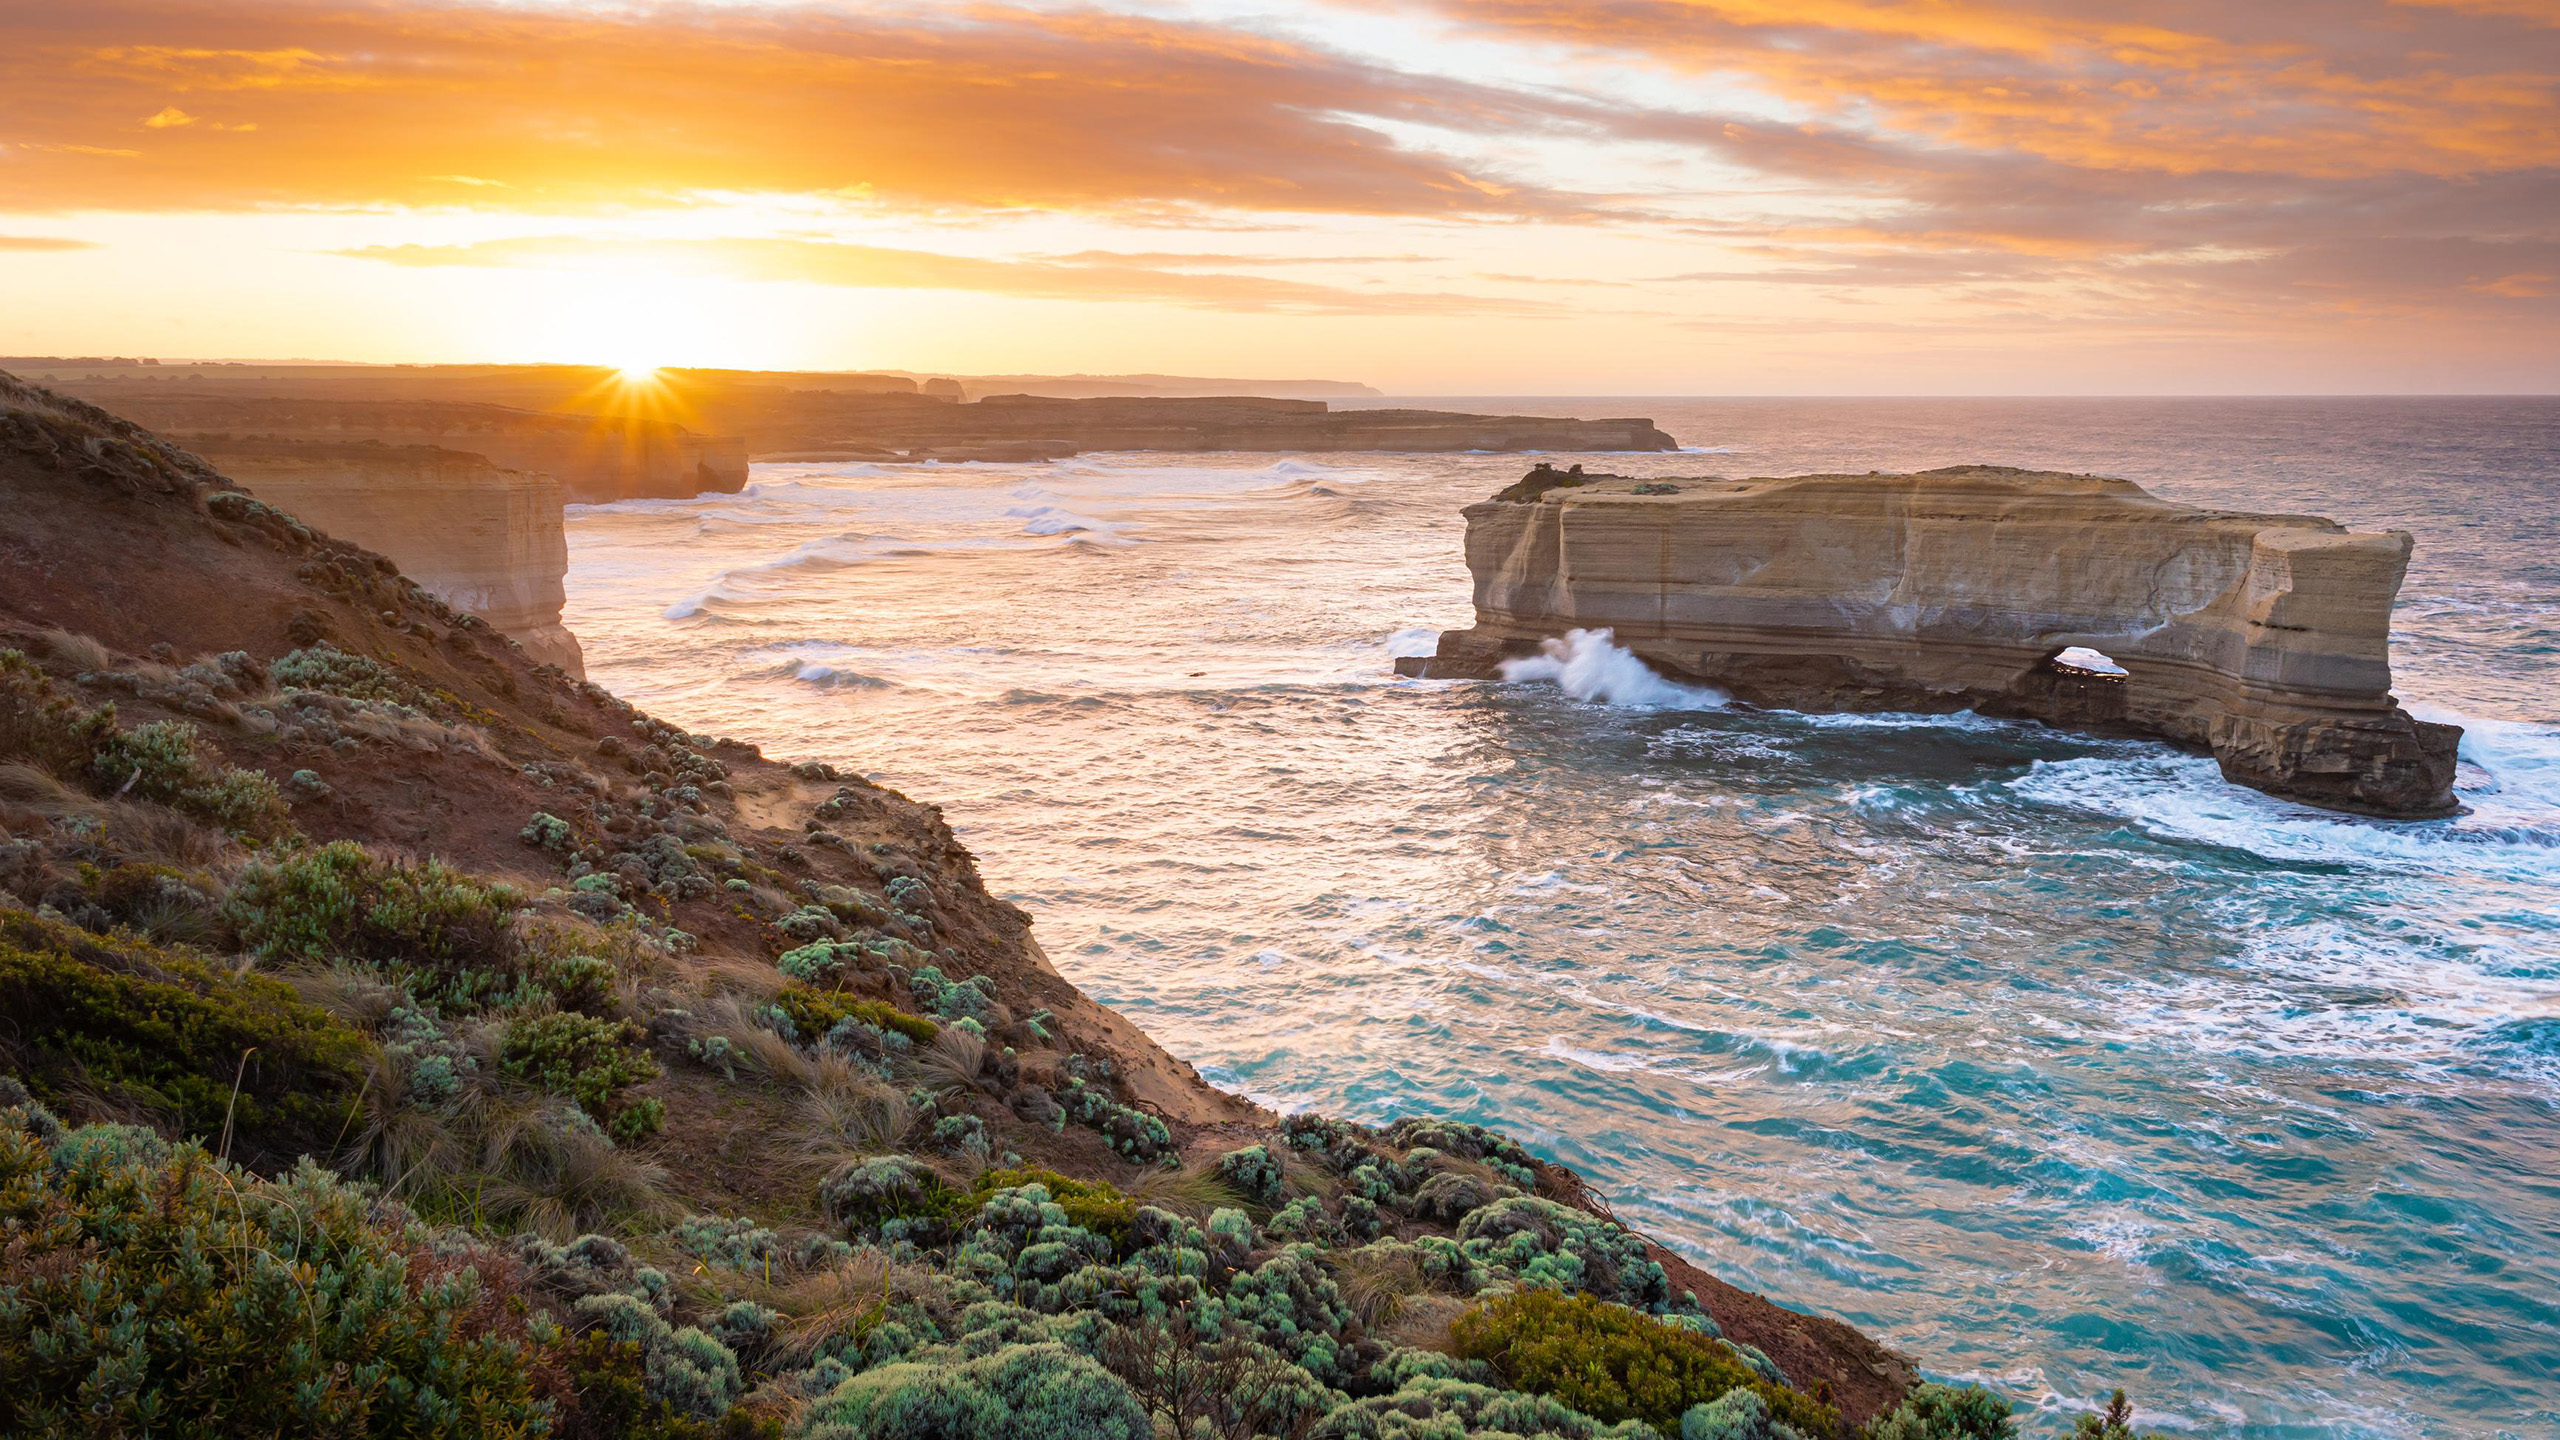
(76, 652)
(1423, 1322)
(953, 1060)
(1194, 1190)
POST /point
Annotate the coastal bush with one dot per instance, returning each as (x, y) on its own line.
(814, 1014)
(970, 999)
(2113, 1423)
(590, 1061)
(450, 933)
(1089, 1204)
(1737, 1414)
(1614, 1363)
(694, 1374)
(1434, 1407)
(1945, 1412)
(151, 1289)
(166, 1033)
(1255, 1173)
(1556, 1247)
(1021, 1392)
(324, 667)
(1134, 1133)
(888, 1191)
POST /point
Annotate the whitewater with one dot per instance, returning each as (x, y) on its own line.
(2052, 1061)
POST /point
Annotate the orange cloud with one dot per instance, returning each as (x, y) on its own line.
(2328, 88)
(412, 102)
(1093, 275)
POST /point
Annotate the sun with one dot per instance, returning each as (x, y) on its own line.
(636, 374)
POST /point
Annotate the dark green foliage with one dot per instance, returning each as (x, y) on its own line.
(38, 725)
(2115, 1423)
(158, 761)
(612, 1399)
(149, 762)
(163, 1031)
(1540, 479)
(1616, 1364)
(1945, 1412)
(1090, 1204)
(589, 1060)
(452, 934)
(870, 1194)
(147, 1291)
(814, 1012)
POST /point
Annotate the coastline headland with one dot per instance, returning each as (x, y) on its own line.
(2072, 599)
(485, 540)
(689, 1084)
(677, 433)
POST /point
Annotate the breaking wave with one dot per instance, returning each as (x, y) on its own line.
(1591, 665)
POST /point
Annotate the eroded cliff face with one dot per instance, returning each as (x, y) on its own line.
(2262, 638)
(484, 540)
(596, 459)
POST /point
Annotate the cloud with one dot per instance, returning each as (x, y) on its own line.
(1095, 276)
(412, 102)
(44, 243)
(2327, 88)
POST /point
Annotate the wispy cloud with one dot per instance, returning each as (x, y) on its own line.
(1098, 275)
(44, 243)
(412, 102)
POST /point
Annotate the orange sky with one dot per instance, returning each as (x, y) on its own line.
(1523, 196)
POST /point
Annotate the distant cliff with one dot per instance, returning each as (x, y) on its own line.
(999, 425)
(2263, 638)
(595, 458)
(482, 539)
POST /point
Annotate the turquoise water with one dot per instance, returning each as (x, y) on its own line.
(2055, 1062)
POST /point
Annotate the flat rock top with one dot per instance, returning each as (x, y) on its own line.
(1956, 492)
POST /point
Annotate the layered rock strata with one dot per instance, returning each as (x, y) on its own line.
(596, 458)
(482, 539)
(2263, 639)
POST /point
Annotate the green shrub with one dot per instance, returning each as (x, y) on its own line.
(1255, 1172)
(326, 668)
(1614, 1363)
(1021, 1392)
(163, 1031)
(2114, 1423)
(1558, 1247)
(890, 1190)
(151, 1291)
(449, 933)
(1945, 1412)
(813, 1013)
(1090, 1204)
(589, 1060)
(611, 1399)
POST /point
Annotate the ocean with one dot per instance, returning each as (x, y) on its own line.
(2055, 1062)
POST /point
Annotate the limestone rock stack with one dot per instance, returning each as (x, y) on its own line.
(2263, 638)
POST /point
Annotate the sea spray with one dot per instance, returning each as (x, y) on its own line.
(1591, 665)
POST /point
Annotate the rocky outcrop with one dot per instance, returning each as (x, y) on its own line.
(482, 539)
(2264, 639)
(596, 458)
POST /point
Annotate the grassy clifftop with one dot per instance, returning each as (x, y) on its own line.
(472, 1054)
